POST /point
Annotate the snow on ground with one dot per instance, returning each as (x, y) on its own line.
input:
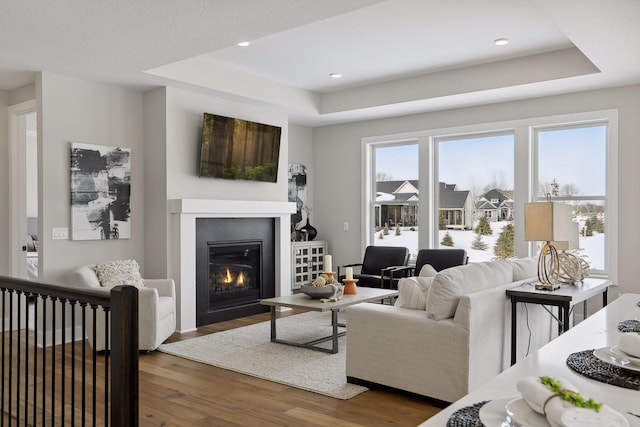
(593, 247)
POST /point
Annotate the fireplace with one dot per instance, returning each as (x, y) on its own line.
(234, 267)
(182, 247)
(235, 273)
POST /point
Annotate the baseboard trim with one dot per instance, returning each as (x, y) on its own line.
(372, 385)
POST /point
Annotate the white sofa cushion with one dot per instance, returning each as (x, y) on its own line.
(427, 271)
(412, 292)
(524, 268)
(119, 272)
(449, 284)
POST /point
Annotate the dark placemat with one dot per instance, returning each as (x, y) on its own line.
(585, 363)
(469, 416)
(629, 326)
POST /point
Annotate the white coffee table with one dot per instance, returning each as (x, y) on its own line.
(305, 302)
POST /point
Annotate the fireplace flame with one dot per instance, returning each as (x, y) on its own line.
(228, 278)
(240, 280)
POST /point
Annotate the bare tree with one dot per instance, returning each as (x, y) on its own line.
(474, 189)
(383, 176)
(544, 188)
(569, 190)
(498, 181)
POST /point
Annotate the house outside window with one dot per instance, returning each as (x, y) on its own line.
(573, 157)
(395, 206)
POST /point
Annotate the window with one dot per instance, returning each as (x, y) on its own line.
(395, 219)
(473, 171)
(571, 167)
(500, 167)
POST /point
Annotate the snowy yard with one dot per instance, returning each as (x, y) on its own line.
(593, 246)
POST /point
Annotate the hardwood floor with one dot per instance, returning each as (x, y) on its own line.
(178, 392)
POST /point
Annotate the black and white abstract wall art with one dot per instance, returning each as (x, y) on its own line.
(298, 193)
(100, 192)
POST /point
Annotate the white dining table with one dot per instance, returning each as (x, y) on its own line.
(597, 331)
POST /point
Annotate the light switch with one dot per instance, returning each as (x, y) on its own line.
(345, 226)
(59, 233)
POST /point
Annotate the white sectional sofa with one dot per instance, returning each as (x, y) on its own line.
(447, 333)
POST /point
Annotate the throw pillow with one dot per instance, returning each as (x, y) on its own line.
(524, 268)
(427, 271)
(412, 292)
(119, 272)
(449, 284)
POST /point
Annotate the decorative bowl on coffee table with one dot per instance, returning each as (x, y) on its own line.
(317, 292)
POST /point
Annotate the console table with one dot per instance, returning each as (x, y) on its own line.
(564, 298)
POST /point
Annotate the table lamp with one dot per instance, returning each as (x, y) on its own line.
(573, 269)
(548, 222)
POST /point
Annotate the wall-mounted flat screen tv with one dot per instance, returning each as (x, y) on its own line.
(239, 149)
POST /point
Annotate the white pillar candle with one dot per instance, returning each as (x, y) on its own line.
(327, 263)
(349, 273)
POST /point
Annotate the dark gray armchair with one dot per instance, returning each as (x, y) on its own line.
(439, 259)
(377, 260)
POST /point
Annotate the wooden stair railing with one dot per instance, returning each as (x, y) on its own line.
(49, 373)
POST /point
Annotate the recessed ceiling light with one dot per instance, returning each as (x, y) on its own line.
(501, 42)
(335, 75)
(244, 44)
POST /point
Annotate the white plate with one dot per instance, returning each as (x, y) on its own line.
(515, 412)
(493, 414)
(606, 355)
(616, 350)
(521, 413)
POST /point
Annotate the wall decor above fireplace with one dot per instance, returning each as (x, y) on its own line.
(239, 149)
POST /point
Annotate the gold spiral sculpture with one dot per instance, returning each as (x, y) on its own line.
(549, 267)
(572, 268)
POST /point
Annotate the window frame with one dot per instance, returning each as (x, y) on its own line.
(590, 197)
(369, 189)
(524, 167)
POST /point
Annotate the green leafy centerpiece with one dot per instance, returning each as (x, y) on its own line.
(575, 398)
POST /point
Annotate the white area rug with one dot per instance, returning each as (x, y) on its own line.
(248, 350)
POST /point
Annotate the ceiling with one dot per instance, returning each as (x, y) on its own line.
(397, 57)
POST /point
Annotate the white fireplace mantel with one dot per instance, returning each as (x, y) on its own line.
(184, 213)
(235, 208)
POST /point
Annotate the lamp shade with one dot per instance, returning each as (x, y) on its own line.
(572, 243)
(547, 221)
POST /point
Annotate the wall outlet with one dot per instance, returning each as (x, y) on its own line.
(59, 233)
(345, 226)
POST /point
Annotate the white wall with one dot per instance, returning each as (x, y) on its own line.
(4, 184)
(173, 132)
(155, 176)
(338, 198)
(22, 94)
(71, 110)
(32, 166)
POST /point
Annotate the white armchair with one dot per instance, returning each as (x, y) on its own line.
(156, 310)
